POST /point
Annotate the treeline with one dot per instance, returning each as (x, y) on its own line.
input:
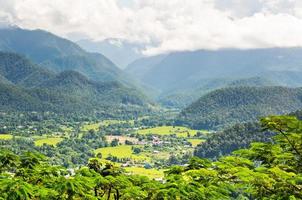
(230, 139)
(264, 171)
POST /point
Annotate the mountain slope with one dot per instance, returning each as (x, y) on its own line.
(186, 76)
(19, 70)
(25, 86)
(58, 54)
(190, 67)
(119, 51)
(140, 67)
(228, 106)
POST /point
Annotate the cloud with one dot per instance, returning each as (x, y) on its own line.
(165, 26)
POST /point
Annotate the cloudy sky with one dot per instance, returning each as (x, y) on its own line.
(165, 25)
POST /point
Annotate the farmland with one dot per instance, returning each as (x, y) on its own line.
(195, 142)
(49, 141)
(151, 173)
(5, 137)
(169, 130)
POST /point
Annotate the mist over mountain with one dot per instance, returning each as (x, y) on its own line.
(58, 54)
(118, 51)
(26, 86)
(192, 74)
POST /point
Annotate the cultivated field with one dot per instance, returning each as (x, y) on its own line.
(151, 173)
(195, 142)
(122, 151)
(50, 141)
(5, 137)
(168, 130)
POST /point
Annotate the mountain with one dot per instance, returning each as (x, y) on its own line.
(239, 136)
(119, 51)
(29, 87)
(192, 74)
(58, 54)
(19, 70)
(185, 96)
(140, 67)
(227, 106)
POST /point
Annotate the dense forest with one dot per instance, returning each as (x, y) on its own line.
(263, 171)
(230, 139)
(228, 106)
(29, 87)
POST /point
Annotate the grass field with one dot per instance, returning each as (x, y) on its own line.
(50, 141)
(5, 137)
(114, 121)
(151, 173)
(122, 151)
(94, 126)
(195, 142)
(168, 130)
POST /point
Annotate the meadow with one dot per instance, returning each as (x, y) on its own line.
(151, 173)
(122, 151)
(195, 142)
(50, 141)
(180, 131)
(93, 126)
(5, 137)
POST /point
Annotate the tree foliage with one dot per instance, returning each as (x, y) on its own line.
(263, 171)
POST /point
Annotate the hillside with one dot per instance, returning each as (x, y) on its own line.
(119, 51)
(188, 75)
(29, 87)
(19, 70)
(59, 54)
(239, 136)
(183, 97)
(224, 107)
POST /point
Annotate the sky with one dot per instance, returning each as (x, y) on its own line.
(165, 25)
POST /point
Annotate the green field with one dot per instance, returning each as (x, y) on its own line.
(151, 173)
(122, 151)
(50, 141)
(94, 126)
(114, 121)
(5, 137)
(168, 130)
(195, 142)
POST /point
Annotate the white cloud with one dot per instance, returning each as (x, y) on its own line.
(164, 26)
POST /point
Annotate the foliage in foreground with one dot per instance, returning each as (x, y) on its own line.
(264, 171)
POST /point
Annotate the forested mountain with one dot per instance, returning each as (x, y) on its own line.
(236, 137)
(58, 54)
(29, 87)
(21, 71)
(188, 75)
(224, 107)
(141, 67)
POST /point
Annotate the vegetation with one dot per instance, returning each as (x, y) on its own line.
(6, 137)
(169, 130)
(264, 171)
(230, 139)
(196, 142)
(49, 141)
(226, 107)
(29, 87)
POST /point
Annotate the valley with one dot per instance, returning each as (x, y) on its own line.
(200, 124)
(139, 149)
